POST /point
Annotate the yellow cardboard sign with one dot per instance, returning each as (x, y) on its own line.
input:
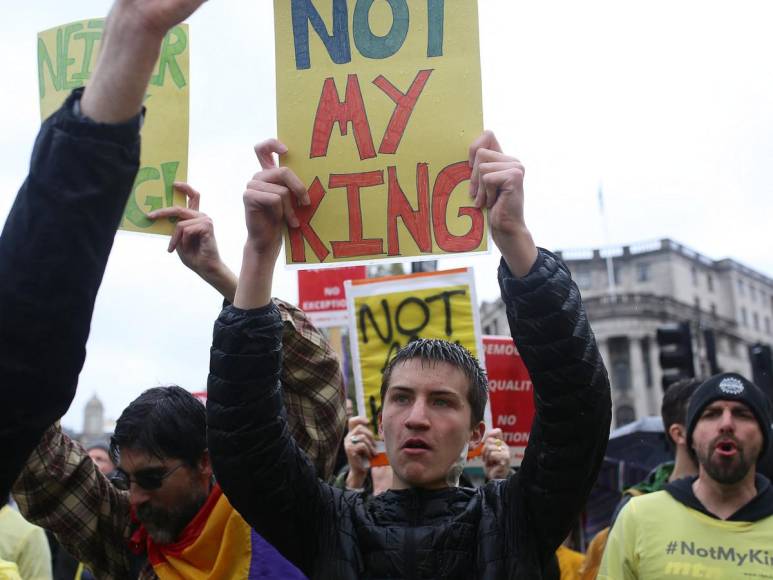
(67, 55)
(386, 314)
(378, 103)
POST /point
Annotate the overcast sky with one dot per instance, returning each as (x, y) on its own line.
(669, 104)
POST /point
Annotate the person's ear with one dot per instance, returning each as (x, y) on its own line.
(476, 435)
(678, 433)
(380, 426)
(205, 464)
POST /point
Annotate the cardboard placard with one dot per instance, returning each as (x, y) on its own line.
(67, 55)
(321, 294)
(386, 313)
(378, 103)
(510, 393)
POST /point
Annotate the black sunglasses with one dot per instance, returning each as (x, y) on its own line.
(146, 480)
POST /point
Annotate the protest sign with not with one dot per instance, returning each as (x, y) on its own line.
(378, 103)
(67, 55)
(387, 313)
(321, 294)
(510, 393)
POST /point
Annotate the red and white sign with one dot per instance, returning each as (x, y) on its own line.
(321, 294)
(510, 393)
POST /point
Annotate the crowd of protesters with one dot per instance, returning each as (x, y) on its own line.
(264, 482)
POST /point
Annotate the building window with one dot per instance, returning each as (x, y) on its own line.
(740, 287)
(744, 317)
(697, 304)
(694, 272)
(714, 310)
(753, 293)
(756, 320)
(642, 272)
(617, 272)
(624, 414)
(491, 328)
(767, 325)
(710, 282)
(620, 363)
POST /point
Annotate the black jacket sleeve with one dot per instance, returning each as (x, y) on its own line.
(53, 252)
(265, 475)
(572, 403)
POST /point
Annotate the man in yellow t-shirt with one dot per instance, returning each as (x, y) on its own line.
(718, 524)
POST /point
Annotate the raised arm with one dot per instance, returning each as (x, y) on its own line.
(60, 230)
(256, 460)
(549, 325)
(312, 383)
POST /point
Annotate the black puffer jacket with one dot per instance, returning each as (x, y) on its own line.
(506, 529)
(53, 252)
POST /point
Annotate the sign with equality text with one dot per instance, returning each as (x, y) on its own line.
(378, 103)
(67, 56)
(510, 393)
(321, 294)
(387, 313)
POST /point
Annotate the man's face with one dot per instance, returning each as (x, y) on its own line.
(165, 511)
(102, 459)
(425, 422)
(727, 441)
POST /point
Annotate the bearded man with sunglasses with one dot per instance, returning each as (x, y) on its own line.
(164, 516)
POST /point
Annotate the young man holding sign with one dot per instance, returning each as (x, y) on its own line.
(424, 526)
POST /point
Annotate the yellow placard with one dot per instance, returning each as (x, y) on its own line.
(378, 102)
(386, 315)
(66, 58)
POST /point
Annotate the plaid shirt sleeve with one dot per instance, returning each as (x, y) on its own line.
(313, 389)
(62, 490)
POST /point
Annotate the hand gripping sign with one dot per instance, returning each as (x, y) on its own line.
(67, 55)
(387, 313)
(378, 103)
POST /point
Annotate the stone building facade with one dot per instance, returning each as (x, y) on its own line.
(659, 283)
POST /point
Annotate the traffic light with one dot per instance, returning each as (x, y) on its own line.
(676, 357)
(762, 367)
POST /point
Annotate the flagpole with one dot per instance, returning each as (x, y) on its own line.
(605, 227)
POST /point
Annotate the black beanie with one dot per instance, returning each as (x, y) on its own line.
(730, 387)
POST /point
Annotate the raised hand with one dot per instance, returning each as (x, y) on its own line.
(131, 44)
(496, 455)
(267, 207)
(360, 447)
(497, 184)
(268, 199)
(194, 240)
(156, 16)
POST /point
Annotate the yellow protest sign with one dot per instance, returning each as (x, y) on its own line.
(387, 313)
(378, 103)
(67, 55)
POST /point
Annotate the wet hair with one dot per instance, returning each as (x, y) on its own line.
(165, 422)
(675, 402)
(434, 351)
